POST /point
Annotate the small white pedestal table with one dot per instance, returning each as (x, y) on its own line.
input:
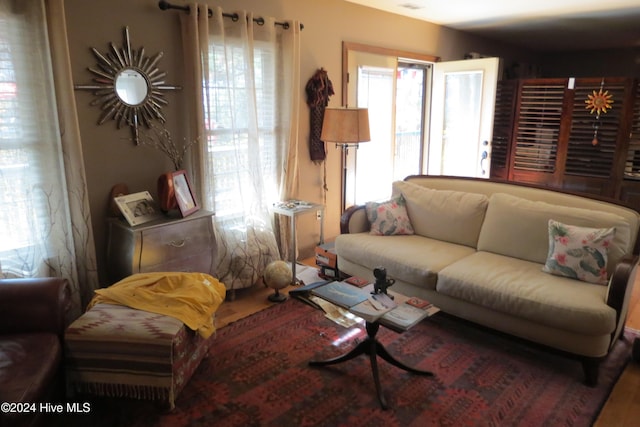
(293, 209)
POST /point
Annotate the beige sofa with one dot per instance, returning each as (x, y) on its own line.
(478, 250)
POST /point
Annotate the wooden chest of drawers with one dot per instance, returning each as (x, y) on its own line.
(182, 244)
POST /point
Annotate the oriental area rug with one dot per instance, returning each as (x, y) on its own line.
(257, 374)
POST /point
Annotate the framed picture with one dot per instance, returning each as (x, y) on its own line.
(187, 202)
(138, 208)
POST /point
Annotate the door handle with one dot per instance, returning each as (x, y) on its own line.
(484, 157)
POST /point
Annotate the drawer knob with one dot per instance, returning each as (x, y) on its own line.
(177, 243)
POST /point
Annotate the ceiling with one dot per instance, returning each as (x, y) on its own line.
(541, 25)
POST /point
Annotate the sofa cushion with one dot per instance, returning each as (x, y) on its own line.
(511, 220)
(521, 289)
(29, 364)
(578, 252)
(412, 259)
(451, 216)
(389, 218)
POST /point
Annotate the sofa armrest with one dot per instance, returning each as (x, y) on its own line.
(621, 286)
(354, 220)
(34, 305)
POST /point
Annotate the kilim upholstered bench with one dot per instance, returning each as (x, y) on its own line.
(117, 351)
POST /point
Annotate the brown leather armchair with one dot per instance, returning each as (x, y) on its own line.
(32, 324)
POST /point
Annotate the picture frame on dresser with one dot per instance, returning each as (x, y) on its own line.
(138, 208)
(187, 202)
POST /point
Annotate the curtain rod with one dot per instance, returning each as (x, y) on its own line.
(165, 5)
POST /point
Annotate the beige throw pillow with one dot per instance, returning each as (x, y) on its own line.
(451, 216)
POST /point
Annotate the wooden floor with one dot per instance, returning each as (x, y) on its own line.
(621, 410)
(247, 301)
(623, 407)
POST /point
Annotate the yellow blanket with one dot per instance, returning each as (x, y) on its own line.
(192, 298)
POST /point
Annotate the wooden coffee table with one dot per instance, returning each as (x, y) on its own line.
(373, 348)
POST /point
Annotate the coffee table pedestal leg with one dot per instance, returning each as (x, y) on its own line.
(373, 348)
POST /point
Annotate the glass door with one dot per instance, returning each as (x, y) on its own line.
(374, 159)
(462, 107)
(394, 92)
(411, 93)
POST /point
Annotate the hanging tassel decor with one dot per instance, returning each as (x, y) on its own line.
(319, 88)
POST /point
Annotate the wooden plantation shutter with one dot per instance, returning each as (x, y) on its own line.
(540, 109)
(506, 94)
(632, 164)
(629, 190)
(552, 134)
(584, 158)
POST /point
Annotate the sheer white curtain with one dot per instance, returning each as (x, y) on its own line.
(246, 112)
(45, 228)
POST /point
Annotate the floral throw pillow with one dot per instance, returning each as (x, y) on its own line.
(389, 218)
(578, 252)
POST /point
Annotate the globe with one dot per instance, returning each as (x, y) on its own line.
(277, 275)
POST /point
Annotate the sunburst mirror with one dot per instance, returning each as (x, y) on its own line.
(128, 86)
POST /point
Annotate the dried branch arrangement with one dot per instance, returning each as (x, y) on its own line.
(160, 138)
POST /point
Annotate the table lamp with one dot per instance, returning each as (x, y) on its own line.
(345, 127)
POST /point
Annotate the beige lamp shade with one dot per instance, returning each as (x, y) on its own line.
(345, 125)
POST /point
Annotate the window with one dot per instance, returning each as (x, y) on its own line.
(247, 107)
(31, 187)
(228, 130)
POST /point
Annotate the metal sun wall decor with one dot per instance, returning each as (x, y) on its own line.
(129, 86)
(598, 102)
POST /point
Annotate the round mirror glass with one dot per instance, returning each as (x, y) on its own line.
(131, 86)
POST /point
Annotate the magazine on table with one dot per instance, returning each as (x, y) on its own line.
(339, 315)
(406, 315)
(303, 293)
(374, 307)
(341, 293)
